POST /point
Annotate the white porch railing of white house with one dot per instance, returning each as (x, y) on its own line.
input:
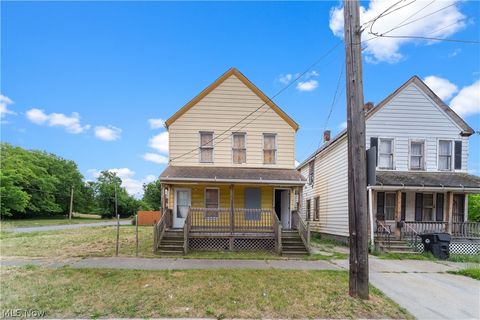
(303, 228)
(467, 230)
(423, 227)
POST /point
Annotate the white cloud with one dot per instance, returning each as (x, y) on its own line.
(133, 186)
(155, 157)
(441, 24)
(308, 85)
(467, 101)
(442, 87)
(343, 125)
(156, 123)
(285, 78)
(454, 53)
(4, 102)
(108, 133)
(159, 142)
(70, 123)
(296, 163)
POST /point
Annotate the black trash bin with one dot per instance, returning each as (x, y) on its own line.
(437, 243)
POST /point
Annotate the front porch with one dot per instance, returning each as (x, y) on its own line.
(226, 215)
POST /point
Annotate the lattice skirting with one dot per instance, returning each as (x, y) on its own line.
(223, 244)
(468, 247)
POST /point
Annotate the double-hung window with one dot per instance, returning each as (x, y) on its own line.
(386, 205)
(445, 155)
(311, 172)
(385, 154)
(239, 149)
(308, 215)
(428, 207)
(316, 214)
(269, 148)
(417, 159)
(212, 197)
(206, 147)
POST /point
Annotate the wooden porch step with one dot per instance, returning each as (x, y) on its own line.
(170, 252)
(169, 247)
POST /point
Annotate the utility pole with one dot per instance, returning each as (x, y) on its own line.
(357, 182)
(118, 220)
(71, 205)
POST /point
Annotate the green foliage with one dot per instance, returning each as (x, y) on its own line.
(474, 207)
(152, 196)
(35, 183)
(468, 272)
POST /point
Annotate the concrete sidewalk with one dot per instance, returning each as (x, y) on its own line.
(69, 226)
(425, 289)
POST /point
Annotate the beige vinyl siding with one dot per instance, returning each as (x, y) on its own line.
(227, 104)
(413, 115)
(331, 185)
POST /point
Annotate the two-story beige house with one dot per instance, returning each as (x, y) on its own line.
(231, 177)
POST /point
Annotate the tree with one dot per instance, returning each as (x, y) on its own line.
(12, 198)
(152, 195)
(105, 196)
(474, 207)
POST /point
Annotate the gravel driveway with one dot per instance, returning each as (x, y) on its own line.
(69, 226)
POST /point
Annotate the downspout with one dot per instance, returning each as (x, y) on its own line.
(370, 212)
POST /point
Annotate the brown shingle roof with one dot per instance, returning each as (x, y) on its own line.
(427, 179)
(232, 174)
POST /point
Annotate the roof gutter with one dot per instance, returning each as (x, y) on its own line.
(424, 188)
(284, 182)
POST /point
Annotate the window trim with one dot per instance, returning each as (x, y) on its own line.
(380, 154)
(206, 148)
(308, 209)
(451, 154)
(245, 135)
(316, 208)
(276, 148)
(433, 207)
(211, 215)
(423, 167)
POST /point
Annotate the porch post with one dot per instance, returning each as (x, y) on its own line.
(398, 213)
(162, 200)
(232, 219)
(449, 213)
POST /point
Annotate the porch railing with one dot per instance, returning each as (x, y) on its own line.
(466, 230)
(424, 227)
(303, 228)
(277, 230)
(220, 220)
(159, 230)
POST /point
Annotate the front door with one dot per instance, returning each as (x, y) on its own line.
(458, 208)
(282, 207)
(182, 203)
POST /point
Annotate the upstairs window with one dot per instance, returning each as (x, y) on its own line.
(316, 214)
(445, 155)
(311, 172)
(417, 155)
(206, 147)
(239, 150)
(269, 148)
(385, 154)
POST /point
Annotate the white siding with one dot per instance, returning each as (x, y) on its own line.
(225, 106)
(331, 184)
(413, 115)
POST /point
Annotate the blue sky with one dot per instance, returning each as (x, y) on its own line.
(82, 79)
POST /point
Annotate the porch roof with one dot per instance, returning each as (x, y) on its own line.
(232, 175)
(455, 180)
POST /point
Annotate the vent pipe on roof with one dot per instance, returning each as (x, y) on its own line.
(326, 135)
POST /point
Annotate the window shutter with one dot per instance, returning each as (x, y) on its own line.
(439, 214)
(418, 206)
(374, 143)
(381, 205)
(458, 155)
(403, 206)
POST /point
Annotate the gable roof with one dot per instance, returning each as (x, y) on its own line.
(467, 130)
(244, 80)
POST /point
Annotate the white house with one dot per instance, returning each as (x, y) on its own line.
(421, 175)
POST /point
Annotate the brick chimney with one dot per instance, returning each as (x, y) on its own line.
(368, 106)
(326, 135)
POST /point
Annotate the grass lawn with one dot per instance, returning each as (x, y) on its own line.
(473, 272)
(97, 293)
(54, 220)
(84, 242)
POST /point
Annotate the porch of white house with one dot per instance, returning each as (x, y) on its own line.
(400, 213)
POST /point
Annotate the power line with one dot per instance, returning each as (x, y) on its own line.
(334, 100)
(432, 39)
(269, 100)
(386, 13)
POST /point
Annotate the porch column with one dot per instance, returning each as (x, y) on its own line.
(449, 213)
(162, 200)
(398, 213)
(232, 219)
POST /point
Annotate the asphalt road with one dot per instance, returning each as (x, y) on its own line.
(69, 226)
